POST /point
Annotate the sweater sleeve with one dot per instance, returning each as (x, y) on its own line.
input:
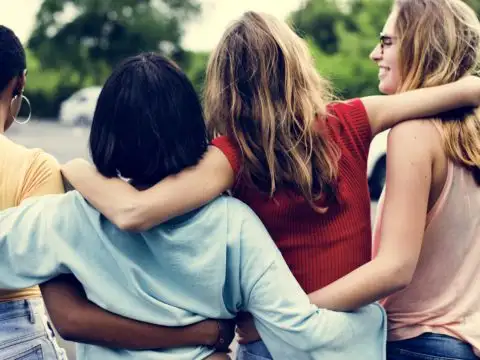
(231, 151)
(354, 126)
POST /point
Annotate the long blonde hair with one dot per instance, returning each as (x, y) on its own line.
(263, 91)
(439, 43)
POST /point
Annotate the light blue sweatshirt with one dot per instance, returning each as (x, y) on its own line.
(210, 263)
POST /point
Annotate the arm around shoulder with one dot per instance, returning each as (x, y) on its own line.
(403, 219)
(386, 111)
(134, 210)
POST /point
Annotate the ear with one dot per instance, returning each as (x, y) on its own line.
(20, 82)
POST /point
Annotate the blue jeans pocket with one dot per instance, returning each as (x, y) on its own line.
(25, 333)
(253, 351)
(34, 353)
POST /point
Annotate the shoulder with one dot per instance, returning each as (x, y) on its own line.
(349, 125)
(348, 107)
(421, 133)
(232, 207)
(57, 203)
(226, 145)
(415, 141)
(40, 160)
(21, 154)
(43, 176)
(240, 216)
(230, 149)
(352, 113)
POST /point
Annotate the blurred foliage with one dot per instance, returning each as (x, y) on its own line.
(341, 35)
(67, 55)
(104, 32)
(64, 57)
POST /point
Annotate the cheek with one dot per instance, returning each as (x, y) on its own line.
(394, 73)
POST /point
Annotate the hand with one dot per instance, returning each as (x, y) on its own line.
(246, 330)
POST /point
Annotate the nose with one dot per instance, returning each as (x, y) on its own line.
(377, 53)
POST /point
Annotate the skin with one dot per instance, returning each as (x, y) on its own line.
(386, 57)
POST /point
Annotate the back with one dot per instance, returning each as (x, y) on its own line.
(444, 296)
(211, 263)
(176, 274)
(25, 173)
(320, 248)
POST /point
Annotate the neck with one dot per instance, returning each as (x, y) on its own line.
(4, 110)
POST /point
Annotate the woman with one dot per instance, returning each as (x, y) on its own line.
(427, 236)
(24, 329)
(433, 187)
(299, 163)
(210, 263)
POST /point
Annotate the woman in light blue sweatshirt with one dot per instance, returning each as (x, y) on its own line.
(210, 263)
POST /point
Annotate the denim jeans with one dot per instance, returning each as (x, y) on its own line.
(430, 346)
(253, 351)
(25, 333)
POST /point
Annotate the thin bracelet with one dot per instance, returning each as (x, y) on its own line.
(225, 331)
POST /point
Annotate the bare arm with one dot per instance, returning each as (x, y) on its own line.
(385, 112)
(131, 209)
(409, 173)
(77, 319)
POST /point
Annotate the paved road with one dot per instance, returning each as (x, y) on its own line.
(65, 143)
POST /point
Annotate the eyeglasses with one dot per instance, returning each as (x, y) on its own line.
(386, 40)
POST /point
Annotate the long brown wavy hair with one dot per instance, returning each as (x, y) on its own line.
(439, 43)
(263, 91)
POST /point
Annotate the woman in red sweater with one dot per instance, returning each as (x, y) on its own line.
(297, 160)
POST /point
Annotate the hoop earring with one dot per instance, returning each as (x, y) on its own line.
(29, 107)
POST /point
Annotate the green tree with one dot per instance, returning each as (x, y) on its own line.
(341, 35)
(103, 32)
(195, 68)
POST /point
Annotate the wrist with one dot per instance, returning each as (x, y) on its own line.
(225, 334)
(212, 332)
(205, 333)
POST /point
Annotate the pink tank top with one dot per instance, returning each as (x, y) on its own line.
(444, 296)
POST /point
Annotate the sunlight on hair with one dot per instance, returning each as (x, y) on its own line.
(263, 90)
(440, 43)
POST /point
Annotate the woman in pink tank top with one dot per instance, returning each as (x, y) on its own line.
(427, 236)
(430, 215)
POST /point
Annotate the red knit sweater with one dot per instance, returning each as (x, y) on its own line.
(320, 248)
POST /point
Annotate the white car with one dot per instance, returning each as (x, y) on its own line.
(377, 164)
(79, 108)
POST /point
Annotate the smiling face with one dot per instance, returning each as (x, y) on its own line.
(386, 56)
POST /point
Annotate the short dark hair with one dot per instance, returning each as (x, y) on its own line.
(12, 57)
(148, 122)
